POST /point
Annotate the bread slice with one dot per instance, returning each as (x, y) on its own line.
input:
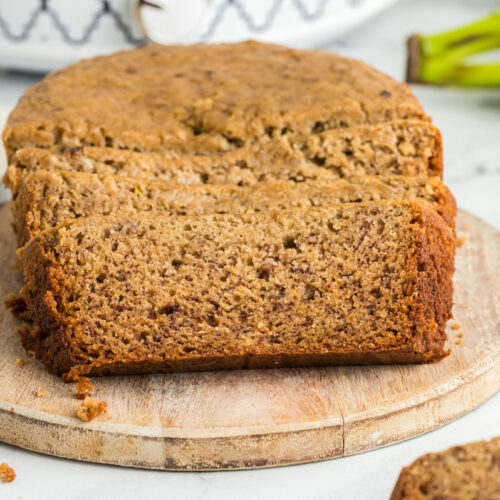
(471, 471)
(48, 198)
(192, 98)
(348, 284)
(404, 147)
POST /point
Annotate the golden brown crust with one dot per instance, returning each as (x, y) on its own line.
(427, 306)
(203, 98)
(432, 287)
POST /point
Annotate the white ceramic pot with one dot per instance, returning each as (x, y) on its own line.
(41, 35)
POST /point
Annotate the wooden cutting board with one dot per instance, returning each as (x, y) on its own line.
(259, 418)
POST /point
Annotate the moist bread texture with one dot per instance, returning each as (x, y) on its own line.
(404, 147)
(347, 284)
(48, 198)
(471, 471)
(203, 98)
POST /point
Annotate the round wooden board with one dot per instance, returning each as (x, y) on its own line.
(259, 418)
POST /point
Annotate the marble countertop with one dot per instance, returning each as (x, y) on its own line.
(470, 123)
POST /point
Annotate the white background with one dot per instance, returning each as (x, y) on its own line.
(470, 122)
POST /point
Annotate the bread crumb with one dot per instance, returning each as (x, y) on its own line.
(41, 393)
(17, 306)
(456, 326)
(90, 408)
(83, 395)
(458, 342)
(461, 335)
(19, 362)
(461, 241)
(7, 473)
(99, 389)
(12, 410)
(83, 388)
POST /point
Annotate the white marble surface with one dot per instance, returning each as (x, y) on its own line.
(470, 122)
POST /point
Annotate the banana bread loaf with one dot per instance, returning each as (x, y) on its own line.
(464, 472)
(404, 147)
(48, 198)
(200, 98)
(347, 284)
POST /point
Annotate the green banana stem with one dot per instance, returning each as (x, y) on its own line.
(442, 59)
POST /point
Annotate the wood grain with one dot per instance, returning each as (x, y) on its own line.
(259, 418)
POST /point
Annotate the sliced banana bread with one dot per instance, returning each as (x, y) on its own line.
(467, 472)
(347, 284)
(203, 98)
(403, 147)
(48, 198)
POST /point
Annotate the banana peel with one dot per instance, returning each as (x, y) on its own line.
(445, 58)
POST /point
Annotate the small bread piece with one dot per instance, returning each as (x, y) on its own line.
(48, 198)
(205, 97)
(471, 471)
(402, 147)
(90, 408)
(347, 284)
(7, 474)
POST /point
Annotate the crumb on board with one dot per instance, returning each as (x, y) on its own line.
(16, 305)
(99, 389)
(7, 473)
(12, 410)
(456, 326)
(41, 393)
(461, 241)
(458, 342)
(461, 335)
(90, 408)
(82, 395)
(19, 362)
(84, 388)
(84, 385)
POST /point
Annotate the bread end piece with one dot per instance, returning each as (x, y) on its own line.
(461, 472)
